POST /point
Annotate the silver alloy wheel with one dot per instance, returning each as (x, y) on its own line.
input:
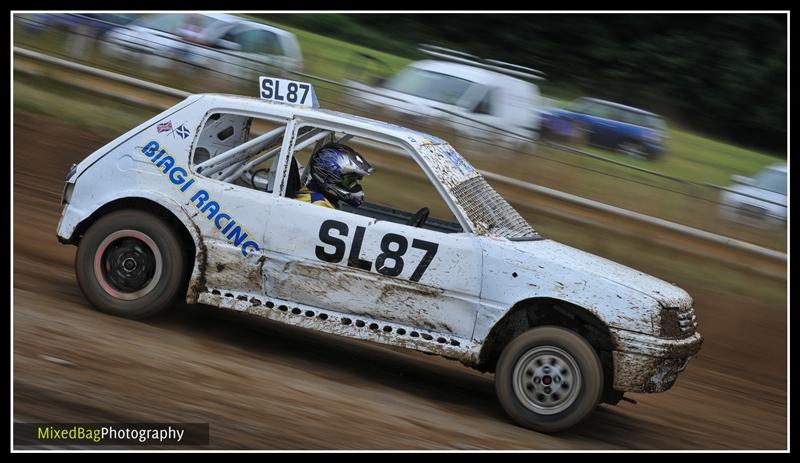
(128, 264)
(546, 380)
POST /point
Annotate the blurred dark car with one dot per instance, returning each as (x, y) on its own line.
(625, 129)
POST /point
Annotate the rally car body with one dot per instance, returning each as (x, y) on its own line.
(459, 294)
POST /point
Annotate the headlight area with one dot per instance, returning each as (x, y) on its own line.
(66, 195)
(644, 363)
(677, 323)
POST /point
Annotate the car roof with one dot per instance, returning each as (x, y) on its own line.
(464, 71)
(267, 27)
(228, 22)
(620, 106)
(218, 16)
(221, 16)
(240, 21)
(414, 137)
(779, 167)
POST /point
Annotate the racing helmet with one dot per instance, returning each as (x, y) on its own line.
(335, 171)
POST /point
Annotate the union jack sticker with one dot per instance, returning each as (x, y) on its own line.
(164, 127)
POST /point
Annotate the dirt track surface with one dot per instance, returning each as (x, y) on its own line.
(266, 386)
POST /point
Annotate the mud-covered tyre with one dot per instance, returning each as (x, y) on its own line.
(549, 379)
(131, 264)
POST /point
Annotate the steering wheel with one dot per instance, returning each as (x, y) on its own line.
(419, 218)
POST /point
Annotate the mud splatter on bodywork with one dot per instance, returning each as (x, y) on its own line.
(450, 168)
(358, 326)
(227, 268)
(649, 364)
(359, 292)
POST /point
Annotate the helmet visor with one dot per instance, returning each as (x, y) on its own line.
(350, 180)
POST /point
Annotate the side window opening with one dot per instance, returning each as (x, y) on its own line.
(600, 110)
(201, 154)
(239, 149)
(395, 191)
(262, 42)
(580, 106)
(162, 22)
(254, 40)
(225, 133)
(621, 115)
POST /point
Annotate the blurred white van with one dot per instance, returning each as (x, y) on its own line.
(481, 99)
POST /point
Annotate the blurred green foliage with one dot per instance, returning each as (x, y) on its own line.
(724, 74)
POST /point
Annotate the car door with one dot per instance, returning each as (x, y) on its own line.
(482, 108)
(603, 127)
(630, 127)
(231, 217)
(581, 120)
(332, 259)
(232, 222)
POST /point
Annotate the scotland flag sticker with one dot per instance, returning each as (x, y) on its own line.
(182, 131)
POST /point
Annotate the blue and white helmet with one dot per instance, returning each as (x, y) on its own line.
(335, 171)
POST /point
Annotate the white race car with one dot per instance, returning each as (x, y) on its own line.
(180, 207)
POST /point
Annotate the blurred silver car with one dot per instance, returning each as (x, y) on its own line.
(246, 49)
(219, 42)
(155, 40)
(759, 200)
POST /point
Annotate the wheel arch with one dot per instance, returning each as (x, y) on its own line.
(540, 311)
(169, 211)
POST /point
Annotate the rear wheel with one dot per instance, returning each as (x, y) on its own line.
(580, 134)
(631, 148)
(131, 264)
(549, 379)
(546, 134)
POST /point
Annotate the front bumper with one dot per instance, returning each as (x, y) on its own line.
(645, 363)
(70, 218)
(653, 148)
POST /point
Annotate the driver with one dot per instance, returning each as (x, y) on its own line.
(332, 175)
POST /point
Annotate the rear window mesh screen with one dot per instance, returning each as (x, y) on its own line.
(490, 212)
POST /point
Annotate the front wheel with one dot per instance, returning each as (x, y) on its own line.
(131, 264)
(549, 379)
